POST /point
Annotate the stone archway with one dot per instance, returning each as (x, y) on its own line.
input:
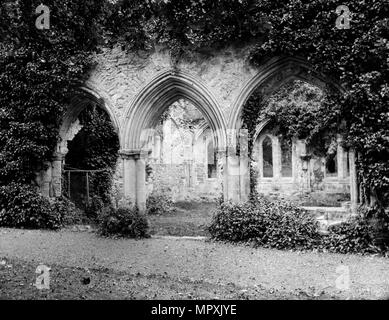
(51, 178)
(269, 78)
(143, 115)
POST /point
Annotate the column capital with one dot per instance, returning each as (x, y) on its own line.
(58, 156)
(128, 153)
(133, 154)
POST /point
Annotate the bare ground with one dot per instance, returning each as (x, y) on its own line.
(188, 219)
(176, 268)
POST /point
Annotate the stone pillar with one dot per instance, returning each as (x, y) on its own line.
(191, 173)
(341, 155)
(45, 180)
(134, 177)
(276, 158)
(305, 183)
(141, 181)
(57, 165)
(295, 161)
(353, 181)
(221, 171)
(244, 170)
(157, 149)
(129, 176)
(233, 173)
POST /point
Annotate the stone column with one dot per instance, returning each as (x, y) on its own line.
(46, 178)
(157, 148)
(353, 181)
(129, 176)
(341, 155)
(233, 173)
(221, 171)
(305, 183)
(244, 170)
(141, 181)
(57, 165)
(276, 158)
(134, 177)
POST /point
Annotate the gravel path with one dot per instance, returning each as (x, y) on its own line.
(199, 260)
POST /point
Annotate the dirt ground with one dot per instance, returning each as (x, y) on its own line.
(177, 268)
(188, 219)
(17, 281)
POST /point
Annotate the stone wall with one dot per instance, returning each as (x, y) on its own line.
(120, 76)
(135, 88)
(183, 182)
(309, 175)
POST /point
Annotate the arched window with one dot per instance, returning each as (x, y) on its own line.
(286, 158)
(267, 151)
(332, 165)
(211, 160)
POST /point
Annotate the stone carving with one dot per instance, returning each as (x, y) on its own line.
(69, 136)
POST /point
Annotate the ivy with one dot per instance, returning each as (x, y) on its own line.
(95, 147)
(41, 69)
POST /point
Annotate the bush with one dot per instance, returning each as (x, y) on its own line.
(281, 225)
(125, 222)
(95, 206)
(271, 224)
(357, 235)
(69, 213)
(159, 202)
(22, 207)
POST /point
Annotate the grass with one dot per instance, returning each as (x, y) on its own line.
(187, 219)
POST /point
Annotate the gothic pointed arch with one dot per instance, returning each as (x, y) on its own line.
(166, 88)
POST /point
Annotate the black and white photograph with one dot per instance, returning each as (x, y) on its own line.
(194, 150)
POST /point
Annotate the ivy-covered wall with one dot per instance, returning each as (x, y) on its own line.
(41, 70)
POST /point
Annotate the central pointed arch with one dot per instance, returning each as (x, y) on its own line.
(166, 88)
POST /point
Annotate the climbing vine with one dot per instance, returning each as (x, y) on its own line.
(42, 68)
(95, 147)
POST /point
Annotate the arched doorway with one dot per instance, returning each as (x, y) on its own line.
(270, 77)
(143, 116)
(52, 177)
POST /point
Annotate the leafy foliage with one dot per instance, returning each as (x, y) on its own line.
(22, 207)
(270, 224)
(125, 222)
(356, 58)
(94, 208)
(95, 147)
(70, 215)
(353, 236)
(40, 71)
(159, 202)
(281, 225)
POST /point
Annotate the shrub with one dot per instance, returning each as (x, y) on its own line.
(159, 202)
(281, 225)
(125, 222)
(95, 206)
(360, 234)
(67, 210)
(272, 224)
(22, 207)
